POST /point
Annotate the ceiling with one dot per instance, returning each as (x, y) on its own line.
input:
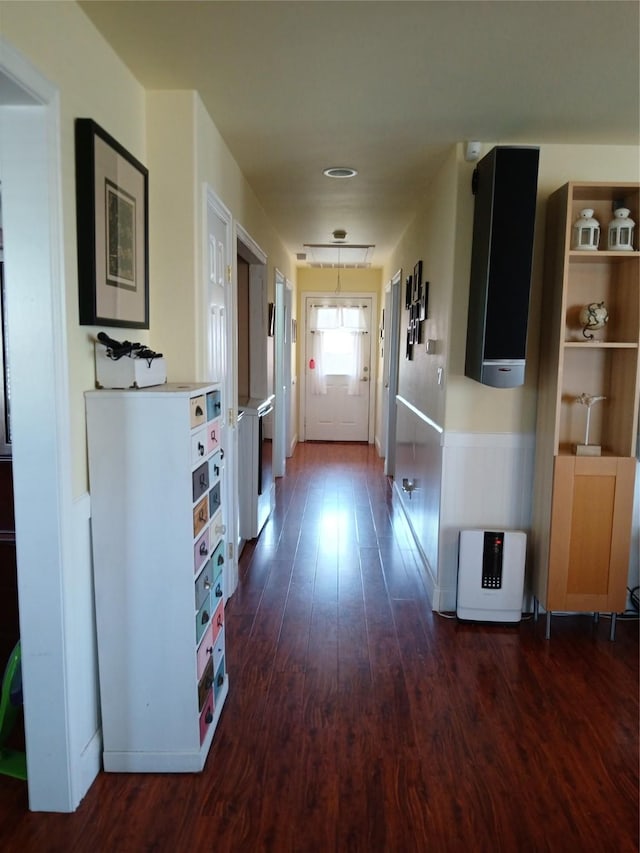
(384, 87)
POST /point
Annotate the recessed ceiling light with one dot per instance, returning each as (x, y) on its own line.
(340, 172)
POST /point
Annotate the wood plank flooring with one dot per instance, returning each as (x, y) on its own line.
(358, 720)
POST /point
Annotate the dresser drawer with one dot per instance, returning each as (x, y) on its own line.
(213, 435)
(218, 651)
(200, 480)
(219, 680)
(205, 650)
(201, 550)
(217, 586)
(218, 558)
(198, 445)
(218, 621)
(206, 716)
(204, 584)
(198, 411)
(200, 515)
(215, 466)
(215, 500)
(203, 617)
(214, 405)
(205, 684)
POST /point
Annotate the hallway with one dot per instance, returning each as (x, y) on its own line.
(360, 722)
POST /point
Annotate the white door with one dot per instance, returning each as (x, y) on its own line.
(220, 363)
(337, 368)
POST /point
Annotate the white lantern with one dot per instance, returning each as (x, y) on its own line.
(621, 231)
(586, 231)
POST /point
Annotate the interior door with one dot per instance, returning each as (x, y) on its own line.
(337, 368)
(219, 297)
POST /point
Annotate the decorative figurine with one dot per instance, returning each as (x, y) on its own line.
(592, 317)
(587, 449)
(621, 231)
(586, 231)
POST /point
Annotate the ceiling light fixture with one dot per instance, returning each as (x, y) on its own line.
(340, 172)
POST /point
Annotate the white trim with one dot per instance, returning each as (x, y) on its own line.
(35, 280)
(247, 240)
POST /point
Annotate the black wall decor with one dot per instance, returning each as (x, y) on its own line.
(505, 183)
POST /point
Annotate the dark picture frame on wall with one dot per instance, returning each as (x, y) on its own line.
(417, 281)
(424, 301)
(112, 211)
(408, 293)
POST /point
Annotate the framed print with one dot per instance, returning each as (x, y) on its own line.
(424, 301)
(112, 204)
(408, 294)
(417, 281)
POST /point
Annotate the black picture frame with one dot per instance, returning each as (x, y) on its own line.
(112, 213)
(408, 293)
(417, 281)
(271, 330)
(424, 301)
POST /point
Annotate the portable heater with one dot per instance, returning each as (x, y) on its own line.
(491, 575)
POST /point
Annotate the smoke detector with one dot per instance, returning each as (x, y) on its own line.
(339, 234)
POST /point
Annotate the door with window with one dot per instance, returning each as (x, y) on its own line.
(337, 368)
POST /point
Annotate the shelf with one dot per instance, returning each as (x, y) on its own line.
(589, 256)
(599, 345)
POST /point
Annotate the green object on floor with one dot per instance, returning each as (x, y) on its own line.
(12, 761)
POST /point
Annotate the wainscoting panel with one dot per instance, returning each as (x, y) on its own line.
(487, 482)
(418, 476)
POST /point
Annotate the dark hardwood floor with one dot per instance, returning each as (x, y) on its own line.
(358, 720)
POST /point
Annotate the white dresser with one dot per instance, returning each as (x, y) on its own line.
(157, 490)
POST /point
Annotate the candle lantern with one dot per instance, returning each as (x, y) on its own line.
(586, 231)
(621, 231)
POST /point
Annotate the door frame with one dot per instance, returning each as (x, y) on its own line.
(373, 361)
(30, 160)
(390, 378)
(281, 389)
(230, 380)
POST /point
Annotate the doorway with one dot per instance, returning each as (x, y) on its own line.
(338, 359)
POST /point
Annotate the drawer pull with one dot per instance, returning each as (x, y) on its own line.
(220, 621)
(213, 435)
(199, 412)
(216, 469)
(200, 449)
(220, 560)
(209, 650)
(206, 583)
(220, 528)
(220, 680)
(216, 406)
(203, 549)
(221, 453)
(205, 617)
(208, 718)
(202, 515)
(218, 591)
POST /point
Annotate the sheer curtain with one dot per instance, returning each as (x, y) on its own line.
(339, 339)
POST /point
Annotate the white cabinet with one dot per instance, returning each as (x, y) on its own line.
(155, 468)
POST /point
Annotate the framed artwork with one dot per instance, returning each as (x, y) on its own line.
(112, 211)
(424, 300)
(408, 293)
(417, 281)
(294, 330)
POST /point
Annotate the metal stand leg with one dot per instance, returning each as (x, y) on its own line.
(612, 630)
(536, 609)
(596, 617)
(547, 633)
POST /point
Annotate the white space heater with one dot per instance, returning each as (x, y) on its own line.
(491, 575)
